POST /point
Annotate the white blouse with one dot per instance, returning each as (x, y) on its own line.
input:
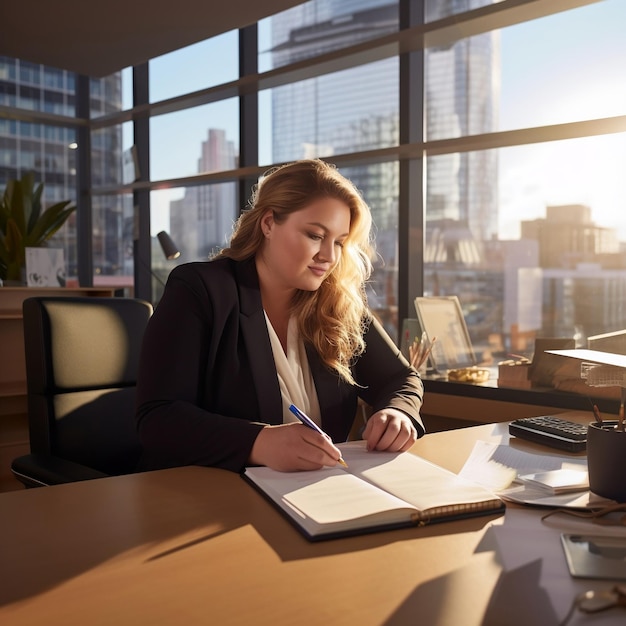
(294, 375)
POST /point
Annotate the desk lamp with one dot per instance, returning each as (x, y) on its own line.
(170, 249)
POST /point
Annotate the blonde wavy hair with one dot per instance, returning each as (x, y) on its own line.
(331, 319)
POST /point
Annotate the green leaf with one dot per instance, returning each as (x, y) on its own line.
(20, 208)
(23, 223)
(14, 242)
(18, 205)
(49, 223)
(35, 211)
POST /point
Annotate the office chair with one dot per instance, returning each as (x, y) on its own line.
(82, 355)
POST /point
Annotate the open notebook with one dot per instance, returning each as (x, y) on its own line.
(378, 491)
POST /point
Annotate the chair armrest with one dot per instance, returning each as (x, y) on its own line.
(38, 470)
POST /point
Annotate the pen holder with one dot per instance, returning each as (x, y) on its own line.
(606, 460)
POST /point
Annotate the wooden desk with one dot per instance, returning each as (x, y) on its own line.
(195, 545)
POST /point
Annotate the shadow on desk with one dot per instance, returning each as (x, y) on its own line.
(490, 597)
(52, 535)
(156, 523)
(289, 545)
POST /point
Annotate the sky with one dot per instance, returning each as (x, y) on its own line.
(558, 69)
(555, 69)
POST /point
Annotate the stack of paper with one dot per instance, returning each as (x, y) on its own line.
(558, 481)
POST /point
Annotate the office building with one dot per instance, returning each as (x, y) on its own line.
(50, 152)
(567, 236)
(341, 113)
(504, 131)
(200, 220)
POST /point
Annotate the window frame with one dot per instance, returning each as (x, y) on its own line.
(408, 43)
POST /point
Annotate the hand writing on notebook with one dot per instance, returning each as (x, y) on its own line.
(293, 447)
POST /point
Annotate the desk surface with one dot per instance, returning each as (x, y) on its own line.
(195, 545)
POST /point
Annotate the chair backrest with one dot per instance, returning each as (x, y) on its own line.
(82, 355)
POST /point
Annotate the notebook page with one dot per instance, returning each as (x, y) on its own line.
(327, 496)
(413, 479)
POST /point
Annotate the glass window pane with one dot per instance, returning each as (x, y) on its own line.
(438, 9)
(497, 81)
(199, 66)
(35, 87)
(379, 185)
(48, 151)
(333, 114)
(554, 265)
(127, 88)
(112, 240)
(111, 160)
(105, 95)
(199, 220)
(53, 78)
(29, 73)
(202, 139)
(461, 87)
(8, 68)
(320, 26)
(570, 76)
(59, 186)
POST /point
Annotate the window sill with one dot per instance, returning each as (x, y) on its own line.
(486, 402)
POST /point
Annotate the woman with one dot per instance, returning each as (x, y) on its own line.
(278, 317)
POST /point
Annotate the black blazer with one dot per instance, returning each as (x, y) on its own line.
(207, 381)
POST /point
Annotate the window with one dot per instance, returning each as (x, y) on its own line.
(202, 65)
(112, 240)
(195, 140)
(198, 218)
(521, 234)
(491, 159)
(316, 27)
(334, 114)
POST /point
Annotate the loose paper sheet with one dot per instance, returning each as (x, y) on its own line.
(498, 466)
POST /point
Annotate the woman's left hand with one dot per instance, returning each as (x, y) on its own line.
(390, 430)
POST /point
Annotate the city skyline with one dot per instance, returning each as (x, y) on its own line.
(477, 203)
(526, 186)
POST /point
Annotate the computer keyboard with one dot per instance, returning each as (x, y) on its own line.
(551, 431)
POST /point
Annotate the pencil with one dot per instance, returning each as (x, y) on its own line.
(414, 352)
(415, 349)
(596, 412)
(427, 352)
(307, 421)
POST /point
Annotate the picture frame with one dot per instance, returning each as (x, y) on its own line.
(45, 267)
(442, 317)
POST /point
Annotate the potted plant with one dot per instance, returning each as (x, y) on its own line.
(24, 224)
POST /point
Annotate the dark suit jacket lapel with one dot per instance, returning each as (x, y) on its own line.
(258, 347)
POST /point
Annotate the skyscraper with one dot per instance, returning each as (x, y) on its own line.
(49, 151)
(461, 98)
(357, 109)
(201, 218)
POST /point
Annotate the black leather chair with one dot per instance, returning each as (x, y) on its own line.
(82, 356)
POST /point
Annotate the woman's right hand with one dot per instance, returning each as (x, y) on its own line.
(293, 447)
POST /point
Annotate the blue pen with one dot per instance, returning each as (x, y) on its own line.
(307, 421)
